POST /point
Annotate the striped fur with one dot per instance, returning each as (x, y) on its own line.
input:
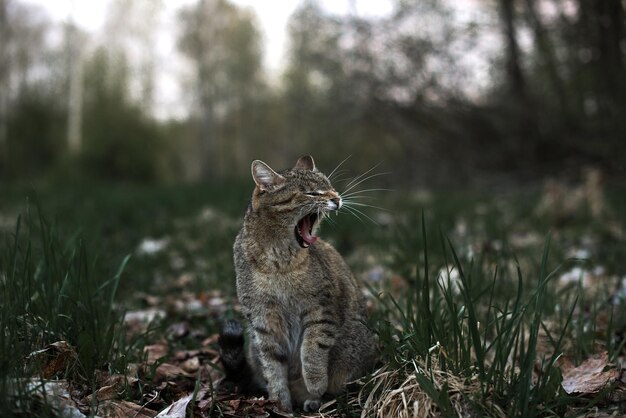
(304, 309)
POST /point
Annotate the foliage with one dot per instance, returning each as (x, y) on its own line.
(120, 140)
(36, 123)
(221, 42)
(410, 86)
(466, 322)
(50, 294)
(450, 93)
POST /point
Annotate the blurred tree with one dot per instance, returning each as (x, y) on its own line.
(445, 91)
(75, 42)
(223, 43)
(22, 60)
(4, 76)
(313, 65)
(121, 140)
(522, 87)
(36, 130)
(376, 84)
(576, 79)
(131, 29)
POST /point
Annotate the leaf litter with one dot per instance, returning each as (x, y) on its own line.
(171, 381)
(593, 375)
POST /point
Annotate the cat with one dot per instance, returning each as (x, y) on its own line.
(304, 309)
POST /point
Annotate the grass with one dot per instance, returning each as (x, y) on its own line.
(447, 339)
(470, 308)
(459, 341)
(49, 294)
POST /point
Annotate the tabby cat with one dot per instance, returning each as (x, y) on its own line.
(304, 309)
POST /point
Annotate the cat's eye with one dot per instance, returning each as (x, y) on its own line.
(315, 193)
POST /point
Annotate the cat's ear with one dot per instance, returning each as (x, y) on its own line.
(265, 177)
(305, 163)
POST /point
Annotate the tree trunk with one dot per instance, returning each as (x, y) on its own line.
(4, 74)
(546, 50)
(525, 140)
(514, 71)
(75, 99)
(610, 68)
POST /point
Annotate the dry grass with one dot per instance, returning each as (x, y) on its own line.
(400, 393)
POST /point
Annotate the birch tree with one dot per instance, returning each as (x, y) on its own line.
(222, 44)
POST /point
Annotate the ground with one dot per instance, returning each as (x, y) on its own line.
(494, 303)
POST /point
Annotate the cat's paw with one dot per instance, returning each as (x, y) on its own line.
(283, 397)
(316, 384)
(312, 405)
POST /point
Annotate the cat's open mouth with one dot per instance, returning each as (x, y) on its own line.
(304, 230)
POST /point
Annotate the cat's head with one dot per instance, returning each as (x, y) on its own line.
(299, 197)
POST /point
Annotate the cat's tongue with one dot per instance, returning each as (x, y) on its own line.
(305, 230)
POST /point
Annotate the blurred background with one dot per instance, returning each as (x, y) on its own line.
(127, 128)
(445, 93)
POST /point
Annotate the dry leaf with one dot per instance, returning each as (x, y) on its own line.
(155, 352)
(191, 365)
(53, 359)
(138, 321)
(111, 388)
(105, 393)
(183, 281)
(212, 340)
(204, 399)
(590, 376)
(123, 409)
(168, 371)
(178, 330)
(56, 393)
(176, 410)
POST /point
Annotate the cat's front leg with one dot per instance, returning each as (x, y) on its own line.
(271, 348)
(318, 339)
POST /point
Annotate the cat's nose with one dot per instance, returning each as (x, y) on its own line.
(337, 202)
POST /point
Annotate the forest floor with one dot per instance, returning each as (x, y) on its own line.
(506, 303)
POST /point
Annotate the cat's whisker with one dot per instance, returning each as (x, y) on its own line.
(364, 174)
(356, 192)
(337, 173)
(339, 176)
(350, 203)
(356, 197)
(365, 179)
(338, 165)
(332, 221)
(362, 213)
(350, 211)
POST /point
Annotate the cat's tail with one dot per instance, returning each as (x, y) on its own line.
(239, 375)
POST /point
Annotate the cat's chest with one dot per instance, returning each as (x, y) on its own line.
(288, 288)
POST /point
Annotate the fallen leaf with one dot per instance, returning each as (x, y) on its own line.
(53, 359)
(212, 340)
(191, 365)
(105, 393)
(168, 371)
(590, 376)
(111, 388)
(155, 352)
(150, 246)
(205, 400)
(176, 410)
(123, 409)
(178, 330)
(141, 318)
(184, 281)
(55, 393)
